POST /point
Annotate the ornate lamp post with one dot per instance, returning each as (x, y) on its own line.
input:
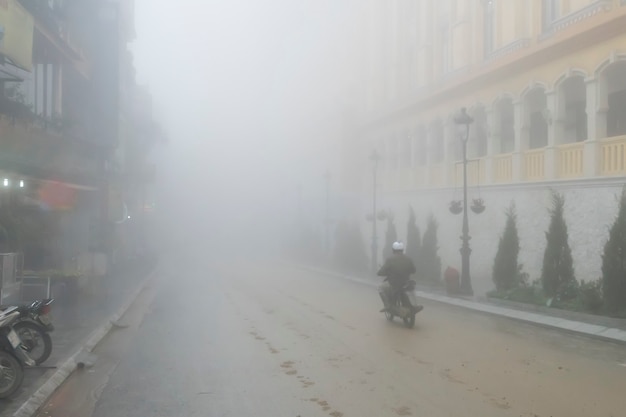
(374, 158)
(463, 121)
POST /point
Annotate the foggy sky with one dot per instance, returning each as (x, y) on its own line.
(237, 86)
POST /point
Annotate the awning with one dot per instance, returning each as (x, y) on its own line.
(7, 73)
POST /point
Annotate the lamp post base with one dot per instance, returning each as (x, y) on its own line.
(466, 283)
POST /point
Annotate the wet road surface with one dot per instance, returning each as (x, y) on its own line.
(266, 339)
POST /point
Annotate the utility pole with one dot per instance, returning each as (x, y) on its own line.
(327, 178)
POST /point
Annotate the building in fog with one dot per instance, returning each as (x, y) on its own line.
(545, 82)
(67, 125)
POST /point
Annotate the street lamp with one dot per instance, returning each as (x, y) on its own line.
(374, 158)
(463, 121)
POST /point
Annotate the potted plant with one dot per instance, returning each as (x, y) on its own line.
(478, 205)
(456, 207)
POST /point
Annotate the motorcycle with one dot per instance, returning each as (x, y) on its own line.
(33, 327)
(403, 304)
(12, 356)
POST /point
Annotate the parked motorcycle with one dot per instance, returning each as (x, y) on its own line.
(12, 356)
(33, 327)
(404, 305)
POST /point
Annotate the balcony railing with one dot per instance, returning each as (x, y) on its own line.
(508, 49)
(570, 160)
(436, 175)
(591, 10)
(613, 153)
(534, 164)
(475, 172)
(420, 177)
(27, 145)
(608, 155)
(503, 168)
(404, 179)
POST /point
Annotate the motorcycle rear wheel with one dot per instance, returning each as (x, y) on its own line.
(37, 341)
(11, 374)
(389, 315)
(409, 320)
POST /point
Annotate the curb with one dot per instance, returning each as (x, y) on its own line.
(31, 406)
(605, 333)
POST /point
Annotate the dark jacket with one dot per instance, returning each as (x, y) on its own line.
(397, 268)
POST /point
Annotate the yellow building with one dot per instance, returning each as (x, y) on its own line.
(544, 80)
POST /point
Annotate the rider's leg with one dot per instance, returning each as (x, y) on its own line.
(384, 290)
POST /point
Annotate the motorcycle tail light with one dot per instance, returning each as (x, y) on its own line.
(45, 309)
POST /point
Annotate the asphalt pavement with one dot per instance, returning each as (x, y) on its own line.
(268, 339)
(610, 329)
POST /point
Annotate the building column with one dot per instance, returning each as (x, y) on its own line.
(450, 140)
(407, 161)
(597, 106)
(382, 165)
(493, 143)
(416, 170)
(551, 164)
(521, 141)
(57, 91)
(429, 156)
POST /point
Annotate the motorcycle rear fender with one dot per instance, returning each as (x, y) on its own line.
(412, 297)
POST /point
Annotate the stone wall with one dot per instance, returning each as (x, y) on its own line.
(590, 209)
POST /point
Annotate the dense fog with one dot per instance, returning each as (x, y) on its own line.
(246, 91)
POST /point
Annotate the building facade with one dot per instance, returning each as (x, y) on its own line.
(67, 94)
(545, 82)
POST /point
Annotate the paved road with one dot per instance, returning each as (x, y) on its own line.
(269, 340)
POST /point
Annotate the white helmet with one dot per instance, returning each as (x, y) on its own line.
(397, 246)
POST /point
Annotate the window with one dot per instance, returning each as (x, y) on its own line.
(393, 153)
(481, 139)
(576, 121)
(538, 131)
(616, 116)
(419, 149)
(406, 151)
(507, 126)
(437, 138)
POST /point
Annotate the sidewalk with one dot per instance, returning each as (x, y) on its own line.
(605, 328)
(75, 321)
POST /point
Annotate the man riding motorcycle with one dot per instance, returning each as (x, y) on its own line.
(397, 269)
